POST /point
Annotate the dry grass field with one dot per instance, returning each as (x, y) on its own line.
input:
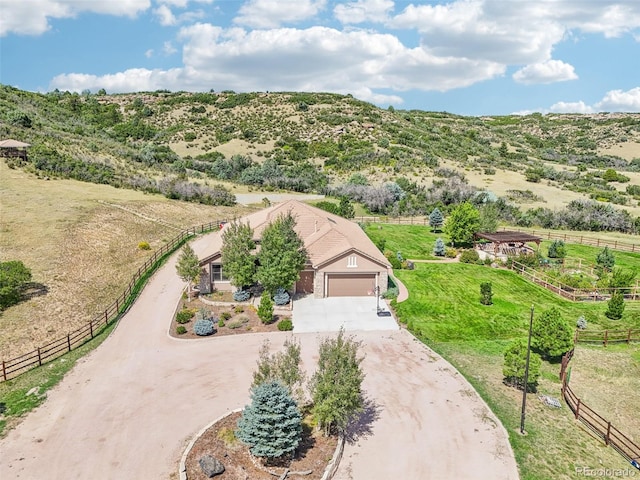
(82, 250)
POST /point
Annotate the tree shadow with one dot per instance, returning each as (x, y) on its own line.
(361, 425)
(307, 442)
(33, 289)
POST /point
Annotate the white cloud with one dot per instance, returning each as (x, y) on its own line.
(168, 48)
(550, 71)
(165, 16)
(136, 79)
(363, 11)
(273, 13)
(619, 101)
(571, 107)
(149, 53)
(31, 17)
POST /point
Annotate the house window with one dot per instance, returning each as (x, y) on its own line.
(352, 261)
(217, 274)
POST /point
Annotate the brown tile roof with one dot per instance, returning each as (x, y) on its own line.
(325, 235)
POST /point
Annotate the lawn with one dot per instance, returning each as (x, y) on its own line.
(444, 311)
(415, 242)
(588, 255)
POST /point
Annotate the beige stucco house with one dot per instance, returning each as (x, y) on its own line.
(342, 261)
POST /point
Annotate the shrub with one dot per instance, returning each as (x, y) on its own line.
(181, 330)
(551, 336)
(203, 327)
(392, 292)
(615, 306)
(285, 325)
(439, 248)
(281, 297)
(221, 323)
(393, 260)
(184, 315)
(469, 256)
(235, 324)
(605, 259)
(513, 369)
(557, 249)
(241, 295)
(450, 252)
(581, 323)
(144, 246)
(486, 294)
(225, 316)
(238, 309)
(265, 309)
(203, 314)
(13, 277)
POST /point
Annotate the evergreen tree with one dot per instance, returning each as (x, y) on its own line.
(188, 267)
(439, 248)
(486, 294)
(615, 306)
(551, 336)
(557, 249)
(237, 245)
(345, 209)
(13, 277)
(605, 259)
(462, 223)
(271, 426)
(282, 255)
(265, 309)
(336, 387)
(515, 360)
(436, 219)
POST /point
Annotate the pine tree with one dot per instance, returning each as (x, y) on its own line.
(436, 219)
(515, 360)
(615, 306)
(439, 248)
(272, 424)
(336, 387)
(345, 209)
(605, 259)
(551, 336)
(188, 267)
(486, 294)
(557, 249)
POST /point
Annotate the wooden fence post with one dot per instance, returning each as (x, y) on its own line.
(606, 437)
(606, 337)
(91, 326)
(69, 341)
(39, 358)
(106, 319)
(4, 371)
(629, 336)
(578, 409)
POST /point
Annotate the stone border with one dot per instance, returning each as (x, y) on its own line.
(329, 471)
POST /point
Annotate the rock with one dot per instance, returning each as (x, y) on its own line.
(211, 466)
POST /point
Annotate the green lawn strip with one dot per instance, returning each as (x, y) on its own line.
(588, 255)
(415, 242)
(14, 401)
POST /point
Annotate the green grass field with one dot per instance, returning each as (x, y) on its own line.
(415, 242)
(444, 311)
(588, 255)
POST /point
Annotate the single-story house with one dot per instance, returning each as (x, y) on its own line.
(341, 259)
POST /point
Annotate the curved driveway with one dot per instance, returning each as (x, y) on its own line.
(127, 410)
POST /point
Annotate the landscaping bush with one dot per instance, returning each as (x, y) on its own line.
(285, 325)
(281, 297)
(486, 294)
(513, 369)
(203, 327)
(551, 336)
(393, 260)
(557, 249)
(184, 315)
(203, 314)
(469, 256)
(221, 323)
(392, 292)
(615, 306)
(439, 248)
(450, 252)
(581, 323)
(238, 309)
(144, 246)
(224, 316)
(241, 295)
(181, 330)
(265, 309)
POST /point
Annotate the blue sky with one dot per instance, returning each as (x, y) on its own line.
(471, 57)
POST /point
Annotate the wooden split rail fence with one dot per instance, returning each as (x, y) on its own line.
(600, 427)
(606, 337)
(16, 366)
(581, 239)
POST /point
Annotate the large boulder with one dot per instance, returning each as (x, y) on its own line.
(211, 466)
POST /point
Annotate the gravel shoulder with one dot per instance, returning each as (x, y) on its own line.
(128, 409)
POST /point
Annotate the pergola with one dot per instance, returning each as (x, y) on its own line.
(508, 242)
(13, 148)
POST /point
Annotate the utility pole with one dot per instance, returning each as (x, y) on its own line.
(526, 375)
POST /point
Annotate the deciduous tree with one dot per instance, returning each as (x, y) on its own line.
(283, 366)
(462, 223)
(13, 276)
(237, 258)
(515, 360)
(188, 267)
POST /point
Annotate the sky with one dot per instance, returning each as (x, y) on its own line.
(469, 57)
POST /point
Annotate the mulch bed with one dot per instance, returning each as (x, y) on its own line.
(313, 454)
(243, 317)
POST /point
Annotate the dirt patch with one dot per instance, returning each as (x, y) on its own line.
(238, 318)
(313, 454)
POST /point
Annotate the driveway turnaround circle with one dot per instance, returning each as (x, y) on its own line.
(127, 409)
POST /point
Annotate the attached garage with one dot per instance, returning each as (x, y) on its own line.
(351, 284)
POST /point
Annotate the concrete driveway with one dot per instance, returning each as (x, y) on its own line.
(128, 409)
(330, 314)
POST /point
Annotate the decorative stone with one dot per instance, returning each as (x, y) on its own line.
(211, 466)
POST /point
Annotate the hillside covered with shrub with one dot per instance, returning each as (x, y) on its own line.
(558, 171)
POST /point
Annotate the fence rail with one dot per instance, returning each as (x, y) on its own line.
(601, 427)
(574, 294)
(581, 239)
(608, 336)
(56, 348)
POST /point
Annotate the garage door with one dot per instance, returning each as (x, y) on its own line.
(305, 284)
(351, 285)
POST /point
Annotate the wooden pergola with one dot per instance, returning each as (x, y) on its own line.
(508, 242)
(13, 149)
